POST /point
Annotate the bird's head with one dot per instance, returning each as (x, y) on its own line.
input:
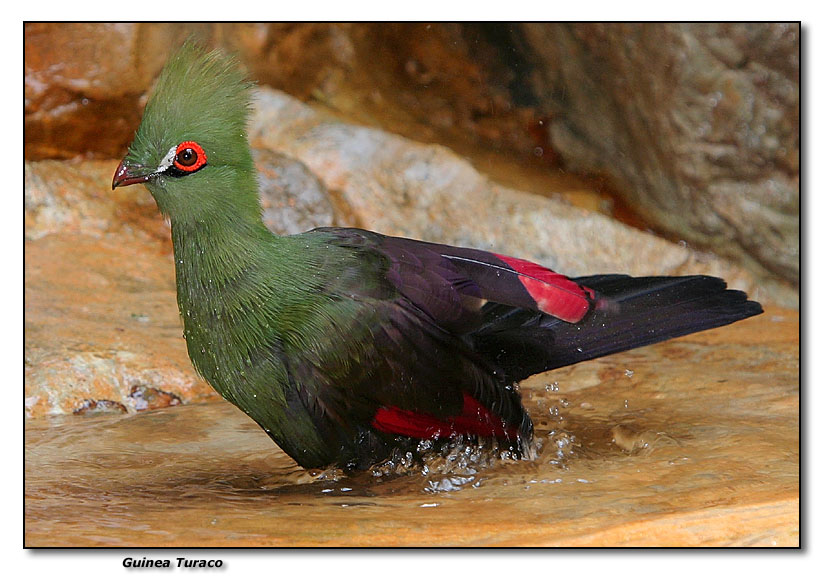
(191, 149)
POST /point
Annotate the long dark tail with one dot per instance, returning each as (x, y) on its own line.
(630, 312)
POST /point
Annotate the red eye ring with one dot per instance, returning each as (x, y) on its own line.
(189, 157)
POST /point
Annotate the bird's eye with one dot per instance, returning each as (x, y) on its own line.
(189, 157)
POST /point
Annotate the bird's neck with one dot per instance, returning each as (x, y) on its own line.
(221, 266)
(209, 254)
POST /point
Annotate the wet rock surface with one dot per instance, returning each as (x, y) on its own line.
(713, 461)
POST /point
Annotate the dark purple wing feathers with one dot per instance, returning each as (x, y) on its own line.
(464, 325)
(629, 313)
(452, 283)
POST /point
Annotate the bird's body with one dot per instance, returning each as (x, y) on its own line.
(343, 343)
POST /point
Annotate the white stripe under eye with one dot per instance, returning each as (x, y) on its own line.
(168, 159)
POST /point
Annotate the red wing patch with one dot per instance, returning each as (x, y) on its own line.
(474, 420)
(555, 294)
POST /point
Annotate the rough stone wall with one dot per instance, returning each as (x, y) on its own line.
(698, 125)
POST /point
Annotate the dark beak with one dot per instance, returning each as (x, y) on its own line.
(126, 175)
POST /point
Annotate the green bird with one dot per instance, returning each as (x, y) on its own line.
(345, 344)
